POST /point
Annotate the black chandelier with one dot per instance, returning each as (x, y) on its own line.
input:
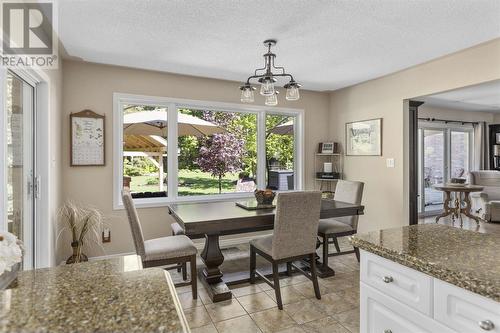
(267, 80)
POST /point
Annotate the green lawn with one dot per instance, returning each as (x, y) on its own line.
(190, 183)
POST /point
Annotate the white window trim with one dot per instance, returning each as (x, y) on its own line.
(172, 104)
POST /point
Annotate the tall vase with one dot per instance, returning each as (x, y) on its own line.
(77, 255)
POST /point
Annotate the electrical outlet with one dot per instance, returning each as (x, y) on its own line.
(106, 235)
(390, 162)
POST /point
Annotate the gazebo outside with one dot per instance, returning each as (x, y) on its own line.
(144, 135)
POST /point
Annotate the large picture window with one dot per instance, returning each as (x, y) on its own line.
(218, 156)
(178, 150)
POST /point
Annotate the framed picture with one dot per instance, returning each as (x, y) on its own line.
(326, 148)
(87, 139)
(364, 138)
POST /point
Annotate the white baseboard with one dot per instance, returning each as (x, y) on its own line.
(199, 243)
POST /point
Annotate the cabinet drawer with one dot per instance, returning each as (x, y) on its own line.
(404, 284)
(381, 313)
(463, 310)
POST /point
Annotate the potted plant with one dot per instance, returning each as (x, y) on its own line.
(11, 254)
(84, 225)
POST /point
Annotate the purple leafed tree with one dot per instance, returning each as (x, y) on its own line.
(220, 154)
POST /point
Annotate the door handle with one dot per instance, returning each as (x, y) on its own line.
(29, 187)
(37, 187)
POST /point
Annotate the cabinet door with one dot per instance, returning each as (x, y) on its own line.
(404, 284)
(383, 314)
(465, 311)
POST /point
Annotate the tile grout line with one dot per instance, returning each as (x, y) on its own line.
(248, 314)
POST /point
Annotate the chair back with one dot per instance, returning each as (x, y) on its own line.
(296, 224)
(350, 192)
(485, 178)
(135, 224)
(489, 179)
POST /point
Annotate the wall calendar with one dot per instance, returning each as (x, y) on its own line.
(87, 139)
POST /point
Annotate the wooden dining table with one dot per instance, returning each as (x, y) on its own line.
(210, 220)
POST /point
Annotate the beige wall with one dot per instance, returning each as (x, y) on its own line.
(385, 187)
(91, 86)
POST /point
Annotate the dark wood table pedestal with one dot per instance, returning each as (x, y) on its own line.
(322, 268)
(211, 275)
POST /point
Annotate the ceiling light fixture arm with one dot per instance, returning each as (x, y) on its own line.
(267, 79)
(264, 75)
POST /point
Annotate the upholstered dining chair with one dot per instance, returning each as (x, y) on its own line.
(177, 229)
(162, 251)
(345, 191)
(294, 238)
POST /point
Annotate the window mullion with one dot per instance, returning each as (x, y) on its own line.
(172, 162)
(298, 159)
(261, 150)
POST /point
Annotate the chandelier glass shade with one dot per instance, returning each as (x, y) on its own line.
(292, 91)
(267, 79)
(272, 100)
(247, 95)
(267, 86)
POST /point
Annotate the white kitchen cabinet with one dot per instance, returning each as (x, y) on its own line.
(402, 283)
(383, 314)
(397, 299)
(465, 311)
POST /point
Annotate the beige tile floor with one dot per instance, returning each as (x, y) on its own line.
(253, 308)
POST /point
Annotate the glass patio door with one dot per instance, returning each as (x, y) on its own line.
(20, 188)
(460, 153)
(444, 153)
(433, 168)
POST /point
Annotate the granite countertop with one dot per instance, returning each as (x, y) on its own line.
(114, 295)
(467, 259)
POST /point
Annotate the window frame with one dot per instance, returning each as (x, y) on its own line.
(172, 105)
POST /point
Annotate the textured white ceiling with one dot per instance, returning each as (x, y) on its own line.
(481, 97)
(326, 45)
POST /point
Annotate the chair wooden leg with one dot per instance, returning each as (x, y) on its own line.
(184, 271)
(325, 252)
(277, 289)
(336, 243)
(179, 269)
(289, 268)
(253, 259)
(194, 277)
(356, 251)
(314, 277)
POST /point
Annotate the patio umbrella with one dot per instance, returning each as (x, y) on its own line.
(155, 123)
(283, 129)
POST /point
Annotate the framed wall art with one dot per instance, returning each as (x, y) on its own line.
(364, 138)
(87, 139)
